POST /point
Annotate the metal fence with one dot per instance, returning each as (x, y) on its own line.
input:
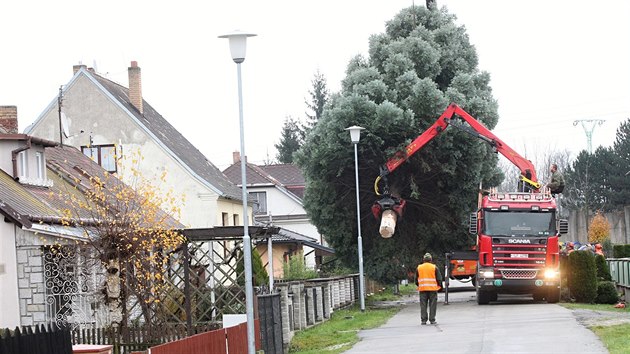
(270, 314)
(41, 340)
(620, 271)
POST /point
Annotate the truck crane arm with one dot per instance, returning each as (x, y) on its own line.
(450, 115)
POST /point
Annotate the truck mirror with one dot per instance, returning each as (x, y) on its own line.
(563, 227)
(472, 226)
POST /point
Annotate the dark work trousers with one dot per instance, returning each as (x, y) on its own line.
(428, 298)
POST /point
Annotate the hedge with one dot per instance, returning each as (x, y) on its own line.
(606, 293)
(621, 251)
(582, 277)
(603, 271)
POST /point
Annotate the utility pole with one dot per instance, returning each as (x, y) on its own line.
(59, 104)
(592, 123)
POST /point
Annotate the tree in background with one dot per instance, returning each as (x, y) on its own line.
(290, 140)
(417, 67)
(542, 160)
(318, 98)
(601, 181)
(620, 177)
(293, 133)
(599, 230)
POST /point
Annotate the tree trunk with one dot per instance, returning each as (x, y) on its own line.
(113, 293)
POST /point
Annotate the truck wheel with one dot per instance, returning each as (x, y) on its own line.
(483, 297)
(553, 295)
(473, 280)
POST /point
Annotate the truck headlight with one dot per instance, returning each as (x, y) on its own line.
(488, 274)
(551, 274)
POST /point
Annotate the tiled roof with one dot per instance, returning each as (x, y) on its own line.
(21, 200)
(288, 236)
(68, 169)
(285, 176)
(67, 163)
(173, 140)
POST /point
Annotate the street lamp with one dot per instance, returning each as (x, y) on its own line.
(355, 135)
(238, 41)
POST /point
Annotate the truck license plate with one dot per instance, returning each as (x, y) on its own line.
(518, 255)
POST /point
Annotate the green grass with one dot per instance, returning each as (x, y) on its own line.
(339, 333)
(595, 307)
(387, 294)
(614, 337)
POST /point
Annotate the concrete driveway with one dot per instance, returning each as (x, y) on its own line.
(515, 324)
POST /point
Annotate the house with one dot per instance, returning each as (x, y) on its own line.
(43, 279)
(113, 124)
(277, 191)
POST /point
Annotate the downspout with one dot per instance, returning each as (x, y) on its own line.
(14, 154)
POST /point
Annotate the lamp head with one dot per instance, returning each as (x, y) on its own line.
(238, 44)
(355, 133)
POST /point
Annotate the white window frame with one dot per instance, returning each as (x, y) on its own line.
(259, 208)
(41, 169)
(23, 165)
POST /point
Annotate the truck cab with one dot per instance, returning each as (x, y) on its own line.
(517, 244)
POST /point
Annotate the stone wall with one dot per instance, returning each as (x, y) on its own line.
(30, 269)
(307, 303)
(619, 226)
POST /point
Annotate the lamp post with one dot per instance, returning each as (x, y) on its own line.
(238, 42)
(355, 135)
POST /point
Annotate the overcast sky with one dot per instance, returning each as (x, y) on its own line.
(551, 62)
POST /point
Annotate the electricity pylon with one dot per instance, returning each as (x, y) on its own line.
(589, 131)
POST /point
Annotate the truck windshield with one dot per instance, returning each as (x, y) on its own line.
(514, 223)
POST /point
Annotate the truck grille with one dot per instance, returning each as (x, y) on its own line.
(519, 256)
(519, 273)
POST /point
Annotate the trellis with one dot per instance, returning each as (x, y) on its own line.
(203, 282)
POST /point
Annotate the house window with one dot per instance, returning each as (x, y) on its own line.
(235, 217)
(104, 155)
(23, 165)
(39, 159)
(225, 219)
(260, 202)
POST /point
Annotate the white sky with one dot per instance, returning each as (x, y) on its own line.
(551, 62)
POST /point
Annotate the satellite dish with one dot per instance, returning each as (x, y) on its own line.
(64, 125)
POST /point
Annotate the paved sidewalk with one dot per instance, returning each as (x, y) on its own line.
(516, 326)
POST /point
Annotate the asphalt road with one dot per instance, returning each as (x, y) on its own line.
(514, 324)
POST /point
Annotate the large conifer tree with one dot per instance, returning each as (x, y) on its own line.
(414, 70)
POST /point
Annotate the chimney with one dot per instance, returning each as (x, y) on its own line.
(135, 86)
(78, 67)
(8, 119)
(236, 157)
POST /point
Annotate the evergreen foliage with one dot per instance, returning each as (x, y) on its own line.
(422, 62)
(261, 277)
(598, 181)
(603, 271)
(319, 97)
(621, 251)
(290, 140)
(606, 293)
(582, 276)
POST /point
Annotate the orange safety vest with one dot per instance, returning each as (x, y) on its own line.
(426, 277)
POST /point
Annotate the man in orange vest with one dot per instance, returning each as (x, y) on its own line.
(428, 280)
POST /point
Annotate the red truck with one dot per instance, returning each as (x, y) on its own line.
(517, 232)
